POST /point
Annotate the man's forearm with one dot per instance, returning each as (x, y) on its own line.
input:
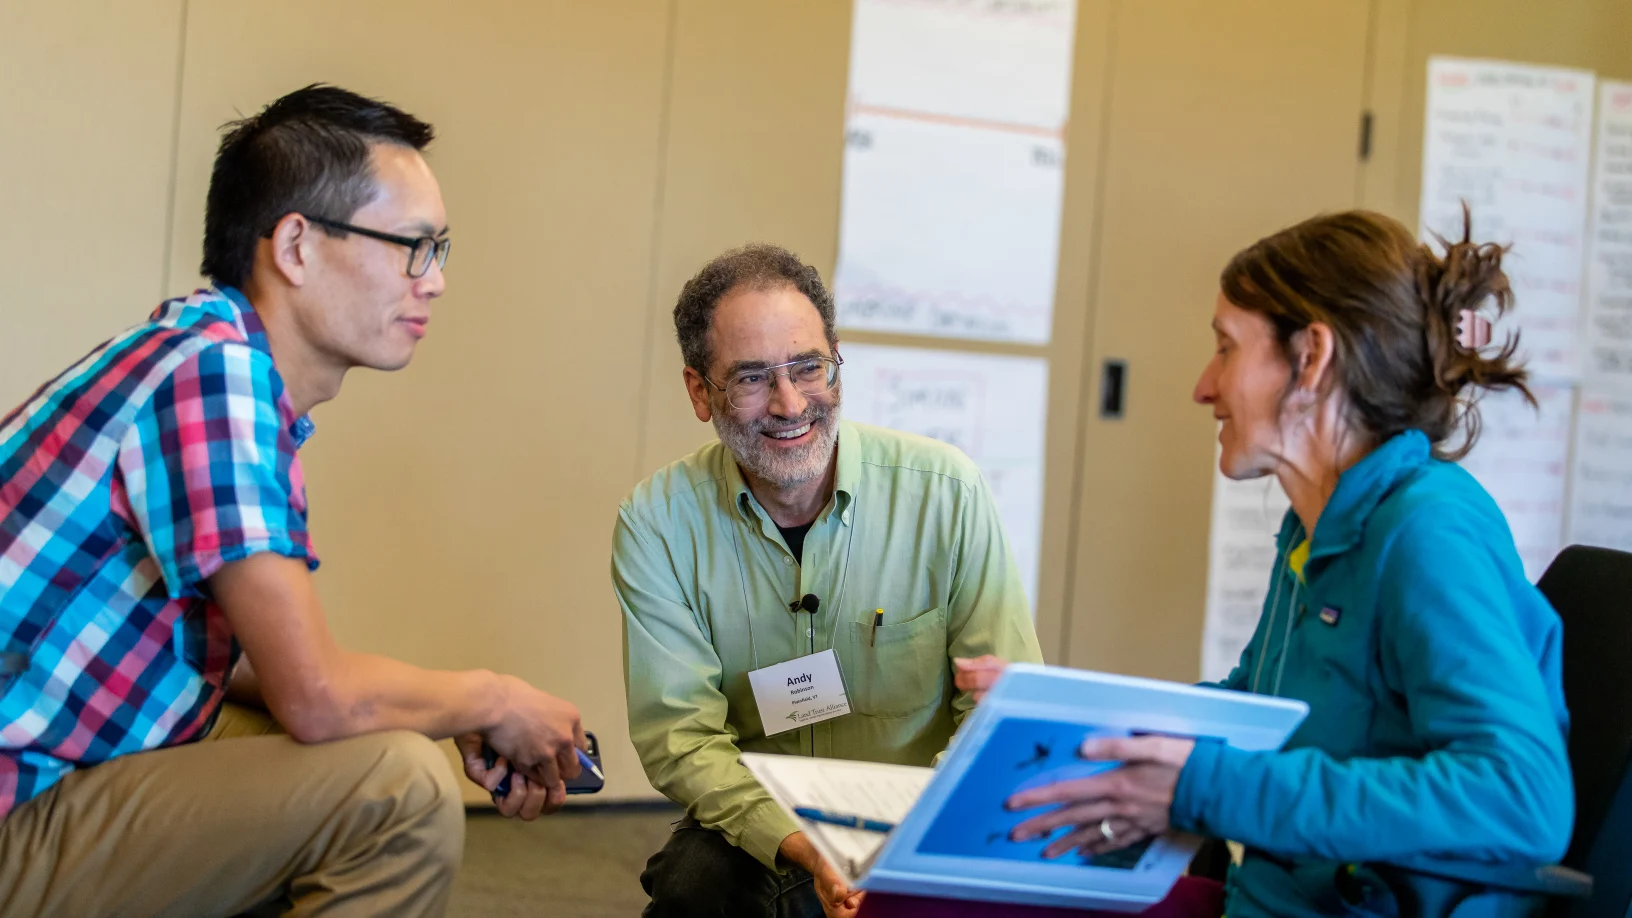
(371, 693)
(797, 849)
(705, 774)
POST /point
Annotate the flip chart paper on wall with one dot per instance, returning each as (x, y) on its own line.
(1246, 517)
(986, 60)
(1522, 459)
(1601, 487)
(954, 167)
(1514, 142)
(948, 231)
(1609, 265)
(991, 407)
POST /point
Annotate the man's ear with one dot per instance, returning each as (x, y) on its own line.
(697, 391)
(290, 247)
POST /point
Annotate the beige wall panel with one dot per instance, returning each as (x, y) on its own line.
(755, 140)
(1591, 34)
(88, 103)
(463, 507)
(1226, 122)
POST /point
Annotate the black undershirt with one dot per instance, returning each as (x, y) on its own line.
(795, 537)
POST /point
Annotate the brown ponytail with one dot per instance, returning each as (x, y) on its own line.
(1394, 307)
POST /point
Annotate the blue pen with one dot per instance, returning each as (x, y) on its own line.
(589, 764)
(842, 819)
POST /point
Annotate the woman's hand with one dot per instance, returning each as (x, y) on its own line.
(978, 675)
(1132, 800)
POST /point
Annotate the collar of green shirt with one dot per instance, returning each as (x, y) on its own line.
(845, 483)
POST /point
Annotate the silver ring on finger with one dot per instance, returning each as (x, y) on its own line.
(1106, 831)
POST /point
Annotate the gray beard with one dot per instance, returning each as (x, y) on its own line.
(782, 468)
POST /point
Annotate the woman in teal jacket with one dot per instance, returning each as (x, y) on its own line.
(1348, 360)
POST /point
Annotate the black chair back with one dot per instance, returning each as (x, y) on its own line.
(1591, 588)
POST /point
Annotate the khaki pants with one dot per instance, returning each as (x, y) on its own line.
(246, 819)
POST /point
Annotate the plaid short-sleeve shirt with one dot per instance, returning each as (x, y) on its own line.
(125, 483)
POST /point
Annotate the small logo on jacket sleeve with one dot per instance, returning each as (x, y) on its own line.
(1330, 614)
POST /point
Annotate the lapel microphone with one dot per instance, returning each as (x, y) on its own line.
(806, 603)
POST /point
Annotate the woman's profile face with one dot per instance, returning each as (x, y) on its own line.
(1245, 383)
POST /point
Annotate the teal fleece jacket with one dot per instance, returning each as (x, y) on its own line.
(1431, 667)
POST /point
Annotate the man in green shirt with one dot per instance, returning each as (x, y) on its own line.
(796, 537)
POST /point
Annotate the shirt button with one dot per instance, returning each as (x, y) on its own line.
(786, 560)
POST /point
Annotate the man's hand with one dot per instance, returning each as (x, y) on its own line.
(1133, 800)
(526, 799)
(537, 735)
(837, 898)
(977, 676)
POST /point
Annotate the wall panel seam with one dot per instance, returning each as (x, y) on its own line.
(655, 250)
(1368, 70)
(1084, 403)
(175, 155)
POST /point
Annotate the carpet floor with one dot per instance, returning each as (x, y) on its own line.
(583, 862)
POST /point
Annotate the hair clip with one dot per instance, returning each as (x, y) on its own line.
(1472, 330)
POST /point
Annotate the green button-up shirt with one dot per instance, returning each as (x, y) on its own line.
(705, 579)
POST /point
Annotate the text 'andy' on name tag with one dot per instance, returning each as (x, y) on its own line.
(799, 693)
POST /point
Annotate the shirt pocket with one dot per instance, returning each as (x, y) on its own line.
(902, 669)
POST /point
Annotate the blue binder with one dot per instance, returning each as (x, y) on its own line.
(954, 842)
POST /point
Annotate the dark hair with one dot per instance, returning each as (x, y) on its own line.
(759, 266)
(1394, 306)
(308, 152)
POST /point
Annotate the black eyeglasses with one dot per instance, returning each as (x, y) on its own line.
(422, 250)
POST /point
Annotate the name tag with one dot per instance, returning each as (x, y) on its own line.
(799, 692)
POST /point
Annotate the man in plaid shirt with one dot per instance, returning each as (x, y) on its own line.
(153, 542)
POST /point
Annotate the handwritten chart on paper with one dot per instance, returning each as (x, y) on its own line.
(954, 167)
(1514, 142)
(1522, 459)
(1609, 266)
(1601, 489)
(1246, 517)
(991, 407)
